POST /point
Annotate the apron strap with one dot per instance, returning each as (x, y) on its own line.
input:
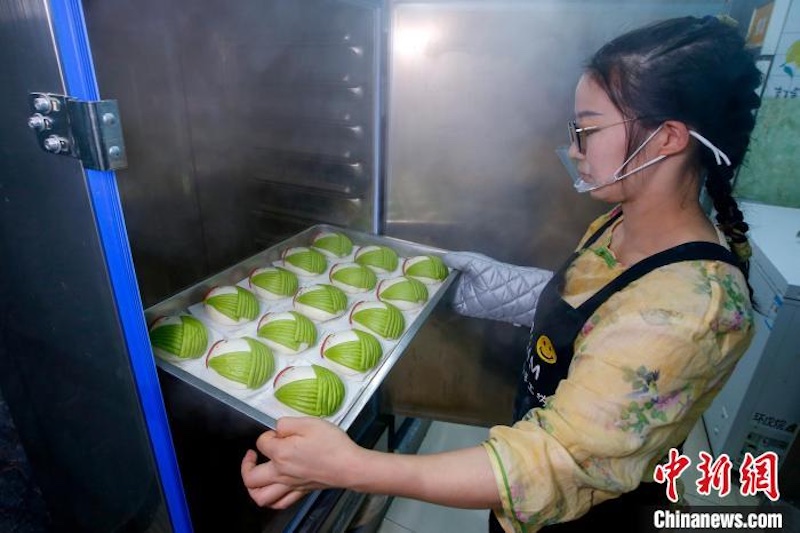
(690, 251)
(596, 235)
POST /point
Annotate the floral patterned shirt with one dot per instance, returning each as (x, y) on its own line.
(646, 365)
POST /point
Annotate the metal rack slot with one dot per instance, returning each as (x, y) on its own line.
(317, 143)
(346, 179)
(305, 63)
(311, 207)
(343, 103)
(285, 126)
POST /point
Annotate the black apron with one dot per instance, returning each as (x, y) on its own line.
(556, 325)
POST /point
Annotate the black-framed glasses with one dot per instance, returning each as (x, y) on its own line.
(577, 136)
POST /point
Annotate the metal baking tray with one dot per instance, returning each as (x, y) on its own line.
(192, 296)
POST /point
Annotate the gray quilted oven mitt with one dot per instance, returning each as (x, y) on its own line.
(488, 288)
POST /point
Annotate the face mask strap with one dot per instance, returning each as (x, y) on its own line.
(640, 167)
(617, 177)
(719, 155)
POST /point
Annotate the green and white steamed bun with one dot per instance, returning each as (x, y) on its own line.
(289, 332)
(244, 363)
(352, 277)
(353, 351)
(381, 259)
(380, 318)
(321, 302)
(273, 283)
(333, 244)
(231, 305)
(304, 261)
(313, 390)
(428, 269)
(404, 292)
(178, 338)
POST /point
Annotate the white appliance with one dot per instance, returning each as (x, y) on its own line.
(758, 410)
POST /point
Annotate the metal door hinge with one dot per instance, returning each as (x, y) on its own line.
(89, 131)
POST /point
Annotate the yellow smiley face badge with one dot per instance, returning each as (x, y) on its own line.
(545, 349)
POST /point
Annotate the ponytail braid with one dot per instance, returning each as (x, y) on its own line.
(729, 216)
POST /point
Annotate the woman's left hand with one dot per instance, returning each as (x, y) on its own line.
(305, 454)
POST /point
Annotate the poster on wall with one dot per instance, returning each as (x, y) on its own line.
(758, 25)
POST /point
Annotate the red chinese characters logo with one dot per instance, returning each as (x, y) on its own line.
(714, 475)
(760, 474)
(671, 471)
(756, 474)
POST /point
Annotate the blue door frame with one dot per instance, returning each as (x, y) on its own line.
(77, 68)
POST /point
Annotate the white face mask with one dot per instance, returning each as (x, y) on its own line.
(583, 186)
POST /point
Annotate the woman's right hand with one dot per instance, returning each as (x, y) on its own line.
(304, 454)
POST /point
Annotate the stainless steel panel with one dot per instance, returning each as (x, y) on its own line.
(64, 366)
(479, 95)
(243, 124)
(193, 295)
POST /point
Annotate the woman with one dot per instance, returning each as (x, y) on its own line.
(631, 339)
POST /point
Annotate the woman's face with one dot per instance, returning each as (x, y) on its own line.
(605, 148)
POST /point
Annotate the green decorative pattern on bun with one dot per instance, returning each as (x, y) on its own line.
(183, 337)
(231, 305)
(380, 318)
(289, 332)
(380, 258)
(333, 244)
(245, 361)
(305, 261)
(321, 301)
(273, 282)
(353, 349)
(404, 292)
(426, 268)
(313, 390)
(353, 278)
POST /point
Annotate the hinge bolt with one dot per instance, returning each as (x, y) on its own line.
(109, 119)
(43, 104)
(39, 122)
(114, 152)
(56, 144)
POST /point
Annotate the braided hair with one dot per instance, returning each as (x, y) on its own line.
(697, 71)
